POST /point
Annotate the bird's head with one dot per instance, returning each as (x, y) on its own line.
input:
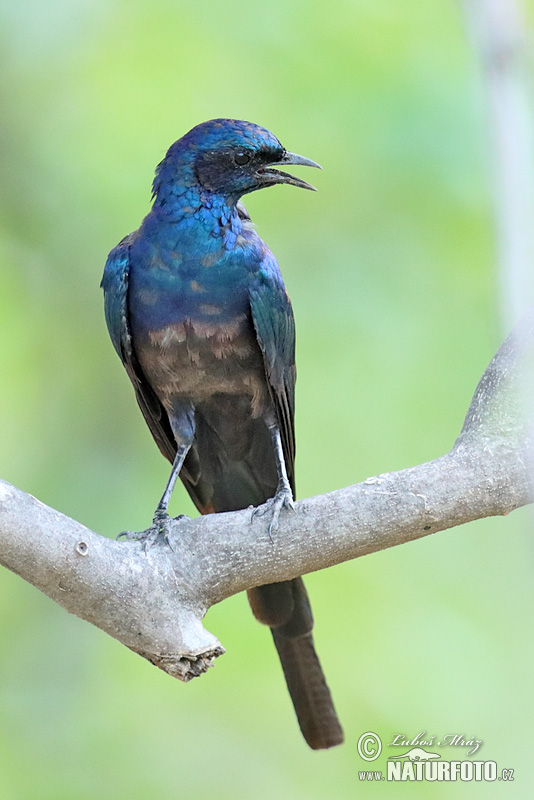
(231, 158)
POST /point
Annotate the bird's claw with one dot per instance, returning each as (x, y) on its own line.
(282, 499)
(160, 531)
(147, 538)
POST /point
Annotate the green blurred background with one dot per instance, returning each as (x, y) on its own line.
(391, 271)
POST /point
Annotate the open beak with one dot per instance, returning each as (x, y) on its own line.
(269, 175)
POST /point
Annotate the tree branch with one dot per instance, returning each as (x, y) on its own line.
(154, 602)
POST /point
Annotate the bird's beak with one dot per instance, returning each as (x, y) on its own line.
(269, 175)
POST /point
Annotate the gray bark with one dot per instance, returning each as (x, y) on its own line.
(154, 602)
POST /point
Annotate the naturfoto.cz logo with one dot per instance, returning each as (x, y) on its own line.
(420, 764)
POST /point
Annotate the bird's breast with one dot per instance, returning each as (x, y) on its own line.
(197, 343)
(190, 319)
(196, 360)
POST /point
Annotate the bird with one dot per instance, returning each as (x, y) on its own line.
(198, 313)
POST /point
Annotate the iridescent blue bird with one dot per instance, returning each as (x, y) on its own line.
(199, 315)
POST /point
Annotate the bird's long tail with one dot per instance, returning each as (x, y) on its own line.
(285, 607)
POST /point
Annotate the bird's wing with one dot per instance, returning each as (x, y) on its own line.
(275, 329)
(115, 286)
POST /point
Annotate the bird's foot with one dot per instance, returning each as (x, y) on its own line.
(159, 532)
(282, 499)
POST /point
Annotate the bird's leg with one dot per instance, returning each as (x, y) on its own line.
(161, 521)
(283, 497)
(161, 509)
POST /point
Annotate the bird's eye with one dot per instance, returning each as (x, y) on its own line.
(241, 158)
